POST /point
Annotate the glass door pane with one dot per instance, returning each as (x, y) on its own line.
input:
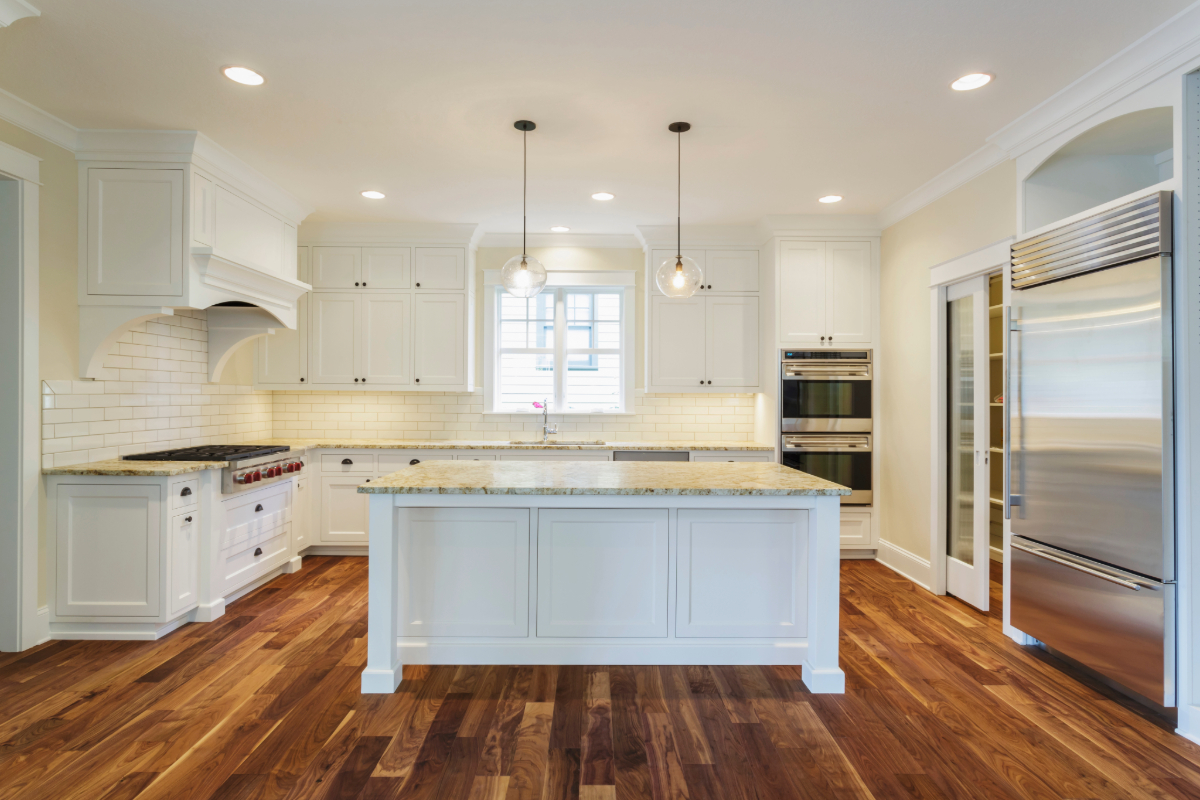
(961, 376)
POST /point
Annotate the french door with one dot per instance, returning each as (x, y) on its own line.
(967, 479)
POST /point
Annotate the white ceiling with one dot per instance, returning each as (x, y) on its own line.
(789, 99)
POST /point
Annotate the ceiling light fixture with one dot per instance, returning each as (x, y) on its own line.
(678, 277)
(830, 198)
(371, 194)
(243, 75)
(560, 229)
(523, 275)
(973, 81)
(603, 196)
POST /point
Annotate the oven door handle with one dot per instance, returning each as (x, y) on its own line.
(825, 376)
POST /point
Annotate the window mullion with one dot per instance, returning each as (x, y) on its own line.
(560, 349)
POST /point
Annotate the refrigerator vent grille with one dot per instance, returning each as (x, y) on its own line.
(1139, 229)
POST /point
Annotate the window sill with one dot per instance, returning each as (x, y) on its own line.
(554, 414)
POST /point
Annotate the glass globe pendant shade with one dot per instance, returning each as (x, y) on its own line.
(523, 276)
(678, 276)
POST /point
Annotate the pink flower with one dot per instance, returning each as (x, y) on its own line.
(537, 404)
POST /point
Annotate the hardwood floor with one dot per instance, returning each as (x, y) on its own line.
(264, 703)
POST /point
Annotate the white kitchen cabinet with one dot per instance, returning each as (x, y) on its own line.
(659, 256)
(677, 356)
(185, 561)
(282, 357)
(135, 232)
(856, 531)
(336, 267)
(386, 267)
(302, 504)
(361, 267)
(730, 456)
(203, 208)
(440, 338)
(731, 271)
(572, 455)
(386, 331)
(439, 267)
(336, 337)
(826, 293)
(731, 342)
(344, 518)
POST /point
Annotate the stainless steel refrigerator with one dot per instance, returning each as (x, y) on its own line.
(1090, 438)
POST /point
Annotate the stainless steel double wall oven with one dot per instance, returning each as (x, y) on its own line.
(825, 402)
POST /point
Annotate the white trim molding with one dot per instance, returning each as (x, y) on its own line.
(624, 241)
(978, 262)
(29, 117)
(961, 173)
(357, 233)
(13, 10)
(568, 277)
(902, 562)
(19, 164)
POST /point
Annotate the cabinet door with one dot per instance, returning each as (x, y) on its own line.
(731, 271)
(135, 232)
(283, 355)
(185, 561)
(107, 556)
(385, 267)
(732, 338)
(677, 356)
(335, 337)
(302, 515)
(440, 336)
(856, 530)
(440, 268)
(849, 309)
(386, 337)
(659, 256)
(336, 267)
(802, 289)
(344, 512)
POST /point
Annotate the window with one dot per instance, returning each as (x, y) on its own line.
(567, 345)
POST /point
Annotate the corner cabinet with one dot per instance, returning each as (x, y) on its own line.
(385, 316)
(711, 341)
(826, 292)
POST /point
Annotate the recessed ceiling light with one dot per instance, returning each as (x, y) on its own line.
(973, 81)
(371, 194)
(830, 198)
(560, 229)
(244, 75)
(602, 196)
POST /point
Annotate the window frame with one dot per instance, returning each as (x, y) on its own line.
(561, 284)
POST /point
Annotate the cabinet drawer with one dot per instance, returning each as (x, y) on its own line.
(250, 516)
(347, 463)
(732, 457)
(394, 461)
(184, 494)
(856, 530)
(242, 565)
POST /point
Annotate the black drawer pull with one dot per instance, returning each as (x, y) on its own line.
(258, 551)
(368, 480)
(186, 491)
(347, 461)
(187, 519)
(414, 461)
(258, 507)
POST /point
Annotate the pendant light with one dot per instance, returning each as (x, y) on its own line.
(523, 275)
(679, 276)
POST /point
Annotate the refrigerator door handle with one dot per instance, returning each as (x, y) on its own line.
(1042, 552)
(1008, 401)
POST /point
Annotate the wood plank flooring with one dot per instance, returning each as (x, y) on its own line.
(264, 703)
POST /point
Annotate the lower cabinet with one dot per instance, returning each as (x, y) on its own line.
(856, 530)
(602, 572)
(719, 456)
(185, 561)
(344, 512)
(252, 558)
(578, 455)
(302, 505)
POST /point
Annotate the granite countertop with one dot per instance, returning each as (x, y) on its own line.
(657, 478)
(463, 444)
(116, 466)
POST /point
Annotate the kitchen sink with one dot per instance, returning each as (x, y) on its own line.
(560, 442)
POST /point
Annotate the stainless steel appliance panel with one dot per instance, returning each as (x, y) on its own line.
(825, 391)
(845, 459)
(1116, 623)
(1090, 416)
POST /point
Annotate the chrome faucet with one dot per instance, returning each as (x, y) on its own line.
(548, 430)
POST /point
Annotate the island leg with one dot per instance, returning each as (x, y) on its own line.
(821, 673)
(384, 670)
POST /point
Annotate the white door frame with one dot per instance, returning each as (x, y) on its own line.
(974, 264)
(20, 412)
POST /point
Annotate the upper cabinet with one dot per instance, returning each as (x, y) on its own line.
(721, 270)
(440, 268)
(826, 293)
(135, 232)
(361, 267)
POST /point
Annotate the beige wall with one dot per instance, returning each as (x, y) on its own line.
(976, 214)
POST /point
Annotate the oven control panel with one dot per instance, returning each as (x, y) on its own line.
(236, 479)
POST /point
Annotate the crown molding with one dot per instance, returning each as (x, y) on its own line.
(13, 10)
(20, 164)
(1172, 47)
(334, 232)
(665, 236)
(625, 241)
(29, 117)
(825, 225)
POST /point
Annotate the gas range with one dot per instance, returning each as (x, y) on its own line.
(250, 465)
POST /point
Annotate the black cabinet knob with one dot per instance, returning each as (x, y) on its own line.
(701, 383)
(364, 380)
(364, 283)
(258, 507)
(418, 286)
(347, 461)
(187, 519)
(414, 461)
(710, 383)
(418, 379)
(710, 286)
(302, 380)
(187, 490)
(368, 480)
(258, 551)
(356, 380)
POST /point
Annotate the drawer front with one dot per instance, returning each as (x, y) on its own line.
(241, 566)
(248, 517)
(477, 457)
(347, 463)
(391, 462)
(184, 494)
(732, 456)
(856, 530)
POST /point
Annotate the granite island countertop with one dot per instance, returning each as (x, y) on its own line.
(117, 466)
(655, 478)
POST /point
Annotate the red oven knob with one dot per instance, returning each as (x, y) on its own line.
(299, 466)
(257, 475)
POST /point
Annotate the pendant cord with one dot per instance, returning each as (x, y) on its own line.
(678, 194)
(524, 186)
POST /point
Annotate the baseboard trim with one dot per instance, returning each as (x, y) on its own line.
(334, 550)
(42, 620)
(916, 569)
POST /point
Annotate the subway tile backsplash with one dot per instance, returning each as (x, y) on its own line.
(155, 396)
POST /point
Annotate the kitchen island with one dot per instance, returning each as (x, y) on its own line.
(478, 562)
